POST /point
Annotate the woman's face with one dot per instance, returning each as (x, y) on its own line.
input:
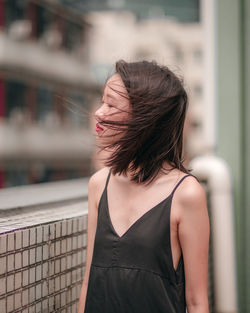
(115, 107)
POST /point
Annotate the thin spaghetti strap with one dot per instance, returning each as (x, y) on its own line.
(180, 183)
(107, 180)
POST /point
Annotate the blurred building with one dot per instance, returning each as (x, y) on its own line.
(116, 35)
(43, 69)
(184, 11)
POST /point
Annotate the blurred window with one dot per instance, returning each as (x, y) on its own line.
(15, 97)
(77, 110)
(15, 10)
(44, 20)
(73, 36)
(44, 103)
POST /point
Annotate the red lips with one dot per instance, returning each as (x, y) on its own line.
(98, 128)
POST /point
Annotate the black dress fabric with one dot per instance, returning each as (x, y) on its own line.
(134, 273)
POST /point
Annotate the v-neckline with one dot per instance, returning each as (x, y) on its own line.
(136, 221)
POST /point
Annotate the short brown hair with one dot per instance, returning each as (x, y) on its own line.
(154, 133)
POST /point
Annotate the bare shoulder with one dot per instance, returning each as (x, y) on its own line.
(97, 182)
(191, 196)
(98, 179)
(190, 190)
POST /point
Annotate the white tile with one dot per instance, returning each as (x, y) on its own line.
(10, 283)
(32, 294)
(32, 277)
(25, 237)
(75, 225)
(3, 265)
(69, 261)
(45, 269)
(84, 255)
(73, 276)
(79, 257)
(64, 228)
(18, 239)
(63, 246)
(58, 248)
(18, 260)
(39, 234)
(32, 309)
(32, 236)
(57, 266)
(45, 253)
(51, 302)
(18, 280)
(10, 303)
(38, 291)
(51, 268)
(63, 281)
(44, 289)
(18, 303)
(63, 263)
(73, 294)
(45, 305)
(63, 299)
(38, 272)
(32, 256)
(57, 283)
(10, 264)
(80, 241)
(74, 245)
(39, 254)
(25, 258)
(84, 239)
(68, 279)
(38, 307)
(10, 242)
(51, 231)
(3, 305)
(74, 259)
(25, 297)
(69, 244)
(58, 229)
(69, 226)
(85, 221)
(25, 278)
(81, 224)
(57, 302)
(2, 285)
(3, 243)
(51, 286)
(45, 233)
(52, 250)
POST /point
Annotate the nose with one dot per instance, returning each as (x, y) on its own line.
(99, 113)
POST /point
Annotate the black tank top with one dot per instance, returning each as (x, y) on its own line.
(134, 273)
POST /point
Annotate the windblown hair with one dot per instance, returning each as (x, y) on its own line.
(154, 131)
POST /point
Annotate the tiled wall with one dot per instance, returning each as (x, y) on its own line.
(42, 258)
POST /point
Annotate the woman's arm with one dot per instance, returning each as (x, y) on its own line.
(194, 231)
(95, 186)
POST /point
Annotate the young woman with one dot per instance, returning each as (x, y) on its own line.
(148, 225)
